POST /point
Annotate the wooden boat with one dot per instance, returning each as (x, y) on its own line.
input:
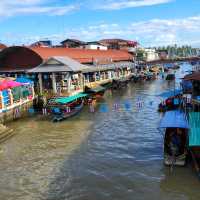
(194, 140)
(107, 85)
(62, 108)
(120, 83)
(97, 91)
(175, 127)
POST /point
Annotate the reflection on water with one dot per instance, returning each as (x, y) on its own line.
(101, 155)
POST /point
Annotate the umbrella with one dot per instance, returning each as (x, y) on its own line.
(6, 84)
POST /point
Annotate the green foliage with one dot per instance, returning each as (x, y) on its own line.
(140, 54)
(176, 51)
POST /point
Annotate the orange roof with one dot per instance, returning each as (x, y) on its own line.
(82, 55)
(2, 46)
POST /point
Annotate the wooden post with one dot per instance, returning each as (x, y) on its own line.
(82, 77)
(11, 97)
(54, 83)
(40, 83)
(33, 91)
(68, 83)
(95, 76)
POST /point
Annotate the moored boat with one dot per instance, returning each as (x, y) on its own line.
(175, 127)
(194, 140)
(97, 91)
(120, 83)
(62, 108)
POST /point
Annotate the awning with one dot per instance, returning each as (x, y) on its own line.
(194, 133)
(174, 119)
(24, 80)
(64, 100)
(7, 84)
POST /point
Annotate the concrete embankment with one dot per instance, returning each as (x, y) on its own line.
(17, 112)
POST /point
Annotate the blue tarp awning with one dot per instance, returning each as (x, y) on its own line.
(24, 80)
(194, 133)
(170, 93)
(174, 119)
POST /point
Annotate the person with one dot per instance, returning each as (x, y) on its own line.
(175, 143)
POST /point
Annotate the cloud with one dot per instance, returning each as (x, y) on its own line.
(150, 33)
(26, 7)
(154, 32)
(121, 4)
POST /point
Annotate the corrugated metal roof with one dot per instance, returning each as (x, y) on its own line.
(62, 64)
(110, 66)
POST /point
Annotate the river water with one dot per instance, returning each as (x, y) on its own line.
(114, 153)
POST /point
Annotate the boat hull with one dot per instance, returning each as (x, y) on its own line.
(64, 116)
(175, 147)
(178, 161)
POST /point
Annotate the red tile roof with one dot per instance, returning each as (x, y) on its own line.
(83, 55)
(2, 46)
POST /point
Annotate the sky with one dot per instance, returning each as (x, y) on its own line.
(150, 22)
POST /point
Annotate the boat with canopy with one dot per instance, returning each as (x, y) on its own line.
(97, 91)
(64, 107)
(194, 139)
(172, 100)
(175, 126)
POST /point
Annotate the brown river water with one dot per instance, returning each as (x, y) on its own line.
(111, 154)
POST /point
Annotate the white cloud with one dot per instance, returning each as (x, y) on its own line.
(121, 4)
(153, 32)
(150, 33)
(19, 7)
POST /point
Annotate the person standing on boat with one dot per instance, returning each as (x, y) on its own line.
(175, 143)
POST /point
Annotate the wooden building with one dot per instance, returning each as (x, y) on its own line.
(65, 71)
(42, 43)
(73, 43)
(119, 44)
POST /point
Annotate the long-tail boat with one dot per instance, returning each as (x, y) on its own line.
(62, 108)
(97, 91)
(175, 127)
(194, 139)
